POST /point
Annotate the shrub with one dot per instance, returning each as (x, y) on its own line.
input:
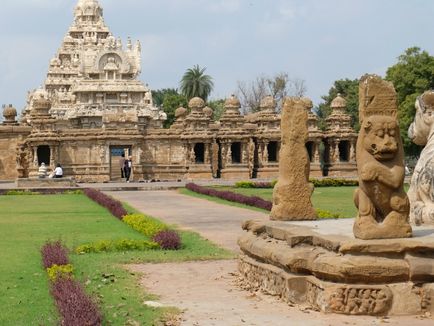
(144, 224)
(59, 271)
(244, 184)
(231, 196)
(118, 245)
(114, 206)
(331, 182)
(54, 253)
(73, 192)
(75, 307)
(168, 240)
(323, 214)
(21, 193)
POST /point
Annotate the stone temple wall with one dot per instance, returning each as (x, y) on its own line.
(10, 136)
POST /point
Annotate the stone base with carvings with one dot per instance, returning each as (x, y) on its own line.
(322, 265)
(46, 183)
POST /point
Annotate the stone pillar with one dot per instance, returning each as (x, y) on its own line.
(336, 152)
(229, 153)
(192, 154)
(244, 154)
(35, 157)
(353, 151)
(291, 195)
(206, 154)
(316, 156)
(265, 153)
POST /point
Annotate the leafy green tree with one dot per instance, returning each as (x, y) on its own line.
(349, 89)
(168, 99)
(196, 83)
(170, 104)
(159, 94)
(218, 107)
(411, 75)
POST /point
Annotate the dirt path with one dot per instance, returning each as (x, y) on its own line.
(208, 291)
(209, 295)
(219, 223)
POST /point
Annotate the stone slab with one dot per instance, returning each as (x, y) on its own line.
(337, 268)
(46, 183)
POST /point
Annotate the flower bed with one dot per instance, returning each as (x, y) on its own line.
(231, 196)
(75, 307)
(115, 207)
(326, 182)
(248, 200)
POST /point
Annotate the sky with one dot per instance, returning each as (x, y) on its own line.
(318, 41)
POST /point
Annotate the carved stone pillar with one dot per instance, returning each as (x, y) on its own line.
(260, 153)
(265, 153)
(229, 154)
(244, 154)
(353, 151)
(316, 152)
(336, 152)
(206, 154)
(35, 157)
(192, 154)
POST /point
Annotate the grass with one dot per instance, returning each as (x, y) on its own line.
(27, 222)
(333, 199)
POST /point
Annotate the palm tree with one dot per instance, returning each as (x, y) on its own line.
(196, 83)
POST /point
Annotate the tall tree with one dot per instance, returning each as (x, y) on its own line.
(411, 75)
(279, 86)
(196, 83)
(349, 89)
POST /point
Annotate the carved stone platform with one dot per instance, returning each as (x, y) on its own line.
(322, 265)
(45, 183)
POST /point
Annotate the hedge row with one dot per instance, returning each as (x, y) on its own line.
(114, 206)
(249, 200)
(326, 182)
(231, 196)
(74, 306)
(150, 227)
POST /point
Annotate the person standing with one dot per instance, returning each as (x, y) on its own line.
(122, 165)
(128, 165)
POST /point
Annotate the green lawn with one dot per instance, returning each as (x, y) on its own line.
(333, 199)
(26, 222)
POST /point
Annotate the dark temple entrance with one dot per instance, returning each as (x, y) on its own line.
(44, 155)
(115, 157)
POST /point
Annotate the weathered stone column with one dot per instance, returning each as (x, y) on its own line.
(244, 153)
(383, 206)
(265, 153)
(316, 156)
(291, 195)
(206, 154)
(353, 151)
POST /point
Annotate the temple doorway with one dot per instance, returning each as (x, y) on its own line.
(44, 155)
(115, 157)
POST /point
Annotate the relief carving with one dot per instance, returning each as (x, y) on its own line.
(360, 301)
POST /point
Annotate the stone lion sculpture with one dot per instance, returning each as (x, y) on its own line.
(383, 206)
(421, 132)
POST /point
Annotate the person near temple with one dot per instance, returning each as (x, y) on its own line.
(58, 171)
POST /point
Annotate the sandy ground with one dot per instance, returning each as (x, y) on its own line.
(209, 295)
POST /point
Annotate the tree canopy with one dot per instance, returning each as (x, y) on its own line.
(411, 75)
(168, 99)
(349, 89)
(196, 83)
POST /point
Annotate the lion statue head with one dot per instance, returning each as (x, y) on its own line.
(420, 129)
(380, 139)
